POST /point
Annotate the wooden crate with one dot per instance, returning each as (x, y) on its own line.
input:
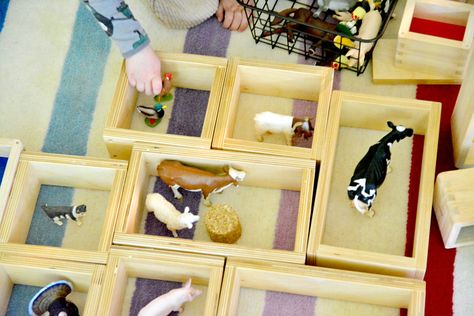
(369, 114)
(10, 149)
(262, 173)
(86, 279)
(462, 122)
(256, 86)
(125, 263)
(385, 70)
(36, 169)
(189, 71)
(434, 54)
(322, 283)
(453, 203)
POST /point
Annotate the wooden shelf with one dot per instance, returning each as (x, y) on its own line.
(319, 282)
(261, 171)
(266, 86)
(36, 169)
(370, 112)
(189, 71)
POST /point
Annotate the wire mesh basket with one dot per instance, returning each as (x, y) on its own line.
(292, 25)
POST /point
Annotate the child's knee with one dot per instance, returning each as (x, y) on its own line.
(181, 14)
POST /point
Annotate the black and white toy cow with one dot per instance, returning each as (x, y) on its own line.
(371, 170)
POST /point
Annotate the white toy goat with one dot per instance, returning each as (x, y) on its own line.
(274, 123)
(170, 302)
(165, 212)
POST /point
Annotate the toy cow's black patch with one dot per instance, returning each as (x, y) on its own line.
(371, 170)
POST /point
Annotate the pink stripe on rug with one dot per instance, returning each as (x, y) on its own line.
(285, 230)
(283, 304)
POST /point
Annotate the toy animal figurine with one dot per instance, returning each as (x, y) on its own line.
(166, 88)
(176, 175)
(269, 122)
(56, 213)
(153, 115)
(368, 30)
(170, 302)
(165, 212)
(334, 5)
(371, 170)
(340, 62)
(52, 299)
(303, 15)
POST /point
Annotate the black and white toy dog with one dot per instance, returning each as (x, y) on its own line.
(56, 213)
(371, 170)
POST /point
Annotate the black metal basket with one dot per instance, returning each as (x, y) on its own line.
(324, 44)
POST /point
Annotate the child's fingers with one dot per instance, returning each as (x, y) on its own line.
(156, 85)
(236, 21)
(244, 24)
(220, 13)
(228, 18)
(148, 90)
(132, 81)
(140, 86)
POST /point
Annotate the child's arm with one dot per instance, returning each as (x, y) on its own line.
(118, 22)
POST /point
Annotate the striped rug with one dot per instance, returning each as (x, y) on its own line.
(57, 78)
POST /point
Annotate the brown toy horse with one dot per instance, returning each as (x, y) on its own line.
(176, 175)
(303, 15)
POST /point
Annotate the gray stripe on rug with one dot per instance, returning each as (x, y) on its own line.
(208, 38)
(283, 304)
(189, 108)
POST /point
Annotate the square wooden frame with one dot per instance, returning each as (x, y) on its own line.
(368, 111)
(290, 173)
(453, 203)
(189, 71)
(172, 266)
(322, 282)
(432, 54)
(40, 272)
(10, 149)
(281, 80)
(462, 121)
(39, 168)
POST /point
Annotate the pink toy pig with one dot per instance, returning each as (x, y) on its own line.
(171, 301)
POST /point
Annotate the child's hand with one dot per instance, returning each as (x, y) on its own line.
(232, 15)
(144, 71)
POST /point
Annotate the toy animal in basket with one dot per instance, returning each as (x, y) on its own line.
(52, 300)
(274, 123)
(334, 5)
(166, 213)
(170, 302)
(368, 31)
(303, 16)
(176, 175)
(56, 213)
(371, 170)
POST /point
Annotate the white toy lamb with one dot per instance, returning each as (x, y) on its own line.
(170, 302)
(165, 212)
